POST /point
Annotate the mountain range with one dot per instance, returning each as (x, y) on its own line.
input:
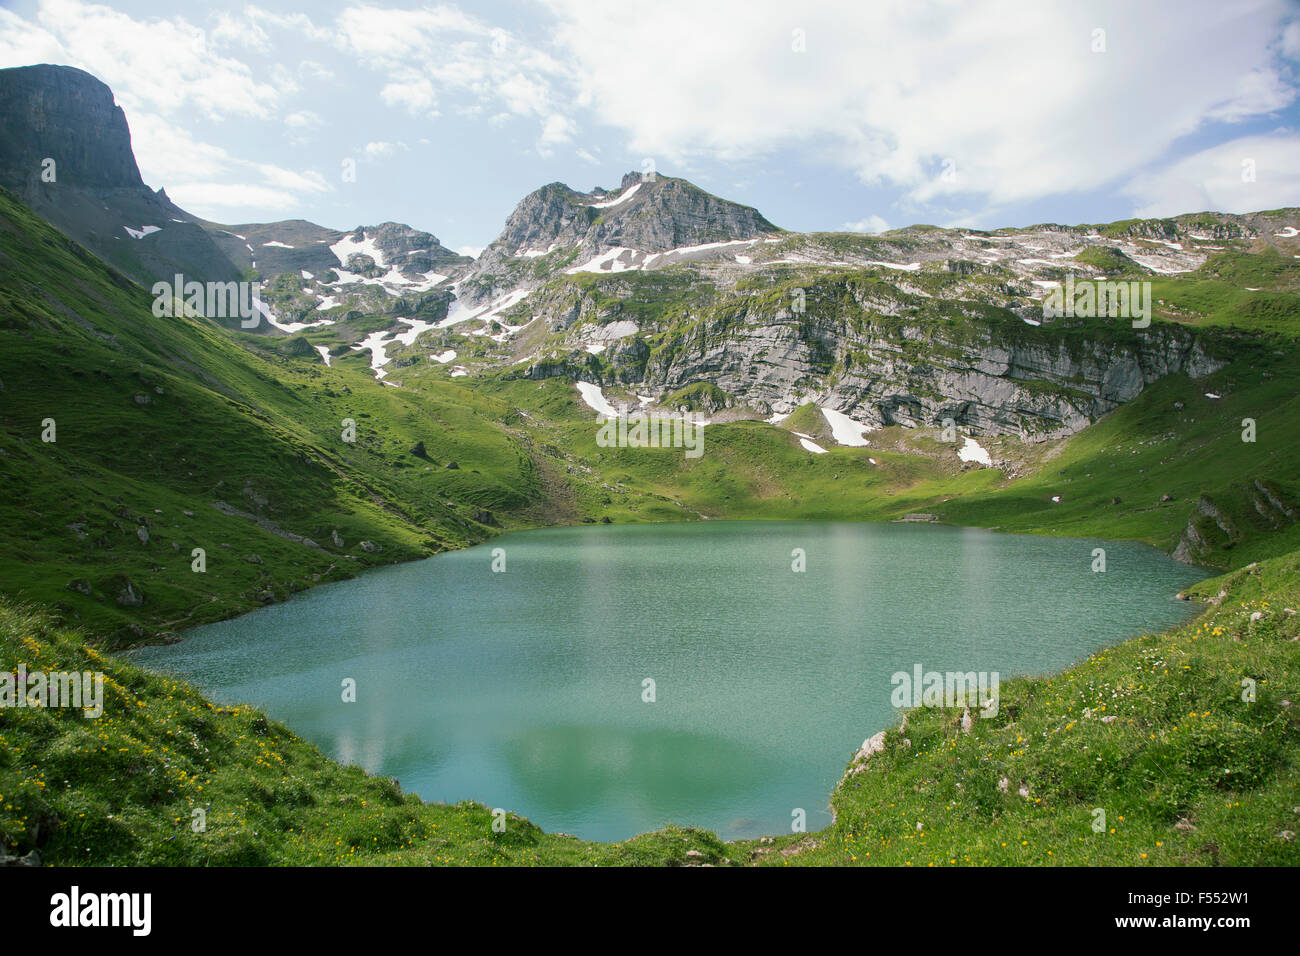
(768, 318)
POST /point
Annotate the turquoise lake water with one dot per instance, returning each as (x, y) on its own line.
(524, 689)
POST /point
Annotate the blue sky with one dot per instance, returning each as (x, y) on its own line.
(826, 116)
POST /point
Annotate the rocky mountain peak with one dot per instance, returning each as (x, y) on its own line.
(649, 213)
(556, 227)
(64, 114)
(410, 249)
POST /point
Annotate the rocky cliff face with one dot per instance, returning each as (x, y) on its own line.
(412, 250)
(64, 114)
(557, 229)
(920, 374)
(95, 195)
(881, 360)
(648, 214)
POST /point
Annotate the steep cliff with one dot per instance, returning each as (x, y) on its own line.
(863, 347)
(66, 153)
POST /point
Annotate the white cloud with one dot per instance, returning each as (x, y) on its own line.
(163, 64)
(870, 224)
(170, 156)
(167, 153)
(210, 199)
(437, 54)
(394, 34)
(305, 182)
(382, 148)
(240, 32)
(254, 18)
(1291, 40)
(23, 43)
(415, 94)
(472, 251)
(557, 129)
(314, 70)
(302, 119)
(1006, 97)
(301, 126)
(1219, 179)
(1256, 92)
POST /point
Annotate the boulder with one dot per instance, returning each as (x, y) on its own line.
(128, 595)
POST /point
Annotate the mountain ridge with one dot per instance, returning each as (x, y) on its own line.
(657, 286)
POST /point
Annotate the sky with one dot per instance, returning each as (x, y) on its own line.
(833, 115)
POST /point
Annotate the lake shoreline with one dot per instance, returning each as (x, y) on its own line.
(873, 548)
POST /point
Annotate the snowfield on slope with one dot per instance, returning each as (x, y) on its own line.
(845, 430)
(622, 198)
(595, 399)
(972, 451)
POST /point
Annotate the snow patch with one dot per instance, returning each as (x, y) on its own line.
(595, 399)
(845, 430)
(1157, 264)
(622, 197)
(378, 342)
(534, 253)
(618, 259)
(348, 246)
(599, 338)
(971, 451)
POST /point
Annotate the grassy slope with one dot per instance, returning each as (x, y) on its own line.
(156, 417)
(1151, 448)
(1242, 290)
(122, 789)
